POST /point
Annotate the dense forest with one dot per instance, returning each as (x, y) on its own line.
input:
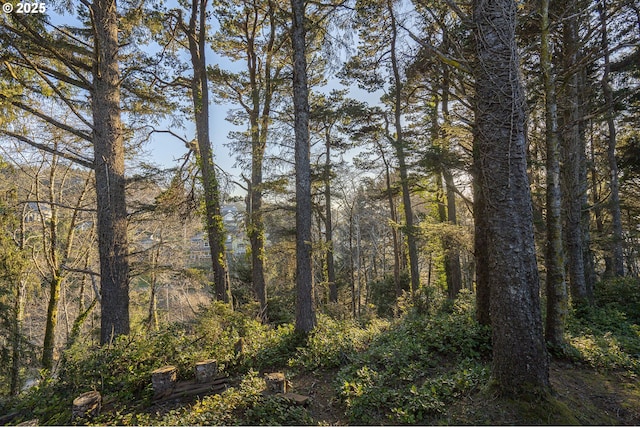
(435, 217)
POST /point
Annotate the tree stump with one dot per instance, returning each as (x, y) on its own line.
(276, 382)
(164, 381)
(87, 405)
(206, 371)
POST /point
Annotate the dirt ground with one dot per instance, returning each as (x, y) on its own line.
(581, 396)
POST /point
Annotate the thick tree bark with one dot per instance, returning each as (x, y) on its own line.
(481, 254)
(200, 94)
(305, 312)
(108, 145)
(520, 363)
(557, 303)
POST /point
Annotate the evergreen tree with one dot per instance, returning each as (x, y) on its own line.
(520, 362)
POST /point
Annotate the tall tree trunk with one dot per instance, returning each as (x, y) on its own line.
(328, 225)
(520, 363)
(587, 253)
(200, 93)
(452, 259)
(596, 202)
(574, 167)
(152, 315)
(305, 312)
(394, 224)
(256, 231)
(352, 266)
(557, 303)
(398, 143)
(55, 281)
(614, 198)
(452, 254)
(108, 143)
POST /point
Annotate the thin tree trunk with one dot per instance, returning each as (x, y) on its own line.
(108, 145)
(585, 223)
(596, 202)
(614, 186)
(394, 225)
(331, 271)
(352, 266)
(152, 315)
(200, 93)
(452, 254)
(305, 312)
(557, 302)
(16, 338)
(358, 267)
(520, 362)
(452, 262)
(573, 159)
(398, 143)
(55, 281)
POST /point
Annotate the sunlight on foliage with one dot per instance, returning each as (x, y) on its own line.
(408, 374)
(334, 343)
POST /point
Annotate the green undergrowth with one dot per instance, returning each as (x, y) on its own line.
(244, 404)
(606, 334)
(424, 367)
(412, 371)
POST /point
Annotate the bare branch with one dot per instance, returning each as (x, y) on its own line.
(48, 149)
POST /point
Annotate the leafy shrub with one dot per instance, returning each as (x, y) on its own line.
(371, 396)
(383, 294)
(273, 348)
(603, 352)
(276, 410)
(48, 401)
(622, 294)
(604, 338)
(123, 369)
(408, 374)
(333, 343)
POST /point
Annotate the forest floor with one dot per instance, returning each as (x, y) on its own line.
(581, 396)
